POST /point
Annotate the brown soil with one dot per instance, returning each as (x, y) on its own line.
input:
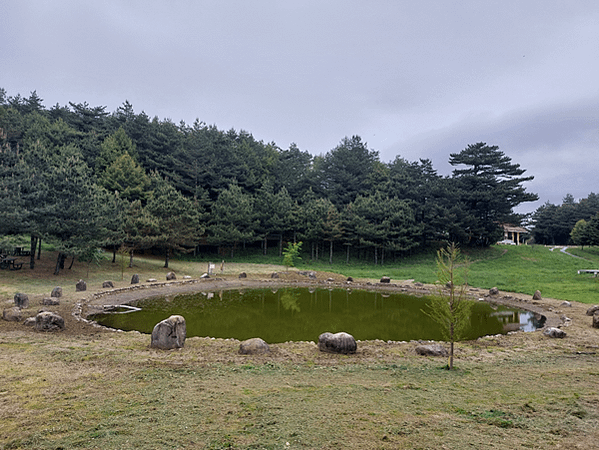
(75, 306)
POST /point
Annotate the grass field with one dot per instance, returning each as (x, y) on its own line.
(89, 388)
(522, 269)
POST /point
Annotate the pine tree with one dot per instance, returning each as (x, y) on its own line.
(489, 186)
(450, 308)
(178, 219)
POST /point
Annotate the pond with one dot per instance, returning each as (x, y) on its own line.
(302, 314)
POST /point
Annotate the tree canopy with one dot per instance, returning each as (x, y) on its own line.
(81, 176)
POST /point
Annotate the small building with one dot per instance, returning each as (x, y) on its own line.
(513, 234)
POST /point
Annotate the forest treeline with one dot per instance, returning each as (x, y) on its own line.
(84, 178)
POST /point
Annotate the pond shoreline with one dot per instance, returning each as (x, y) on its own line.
(96, 302)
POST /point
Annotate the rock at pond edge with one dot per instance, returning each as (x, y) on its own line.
(553, 332)
(337, 343)
(170, 333)
(254, 346)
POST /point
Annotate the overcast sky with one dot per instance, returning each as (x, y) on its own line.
(418, 79)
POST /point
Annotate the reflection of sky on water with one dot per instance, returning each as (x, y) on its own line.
(519, 320)
(530, 321)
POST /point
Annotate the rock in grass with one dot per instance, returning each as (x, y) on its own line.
(49, 301)
(49, 321)
(553, 332)
(21, 300)
(170, 333)
(431, 350)
(81, 286)
(592, 310)
(13, 314)
(243, 275)
(108, 284)
(385, 280)
(135, 279)
(537, 295)
(56, 292)
(493, 291)
(596, 319)
(254, 346)
(337, 343)
(171, 276)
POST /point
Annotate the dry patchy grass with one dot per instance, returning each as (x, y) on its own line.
(90, 388)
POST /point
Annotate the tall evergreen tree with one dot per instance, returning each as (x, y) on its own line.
(233, 219)
(345, 172)
(490, 186)
(178, 219)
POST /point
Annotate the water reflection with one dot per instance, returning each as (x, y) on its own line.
(292, 314)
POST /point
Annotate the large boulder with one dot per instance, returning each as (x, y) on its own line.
(553, 332)
(170, 333)
(337, 343)
(254, 346)
(81, 286)
(21, 300)
(56, 292)
(537, 295)
(592, 310)
(13, 314)
(135, 279)
(385, 280)
(431, 350)
(49, 321)
(107, 284)
(171, 276)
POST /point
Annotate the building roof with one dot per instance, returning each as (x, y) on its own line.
(512, 229)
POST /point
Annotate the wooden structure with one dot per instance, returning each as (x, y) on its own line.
(511, 233)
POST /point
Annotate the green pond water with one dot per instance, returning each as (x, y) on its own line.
(302, 314)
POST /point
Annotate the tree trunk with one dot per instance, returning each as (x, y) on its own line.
(347, 256)
(376, 256)
(281, 245)
(59, 262)
(166, 259)
(113, 254)
(32, 255)
(39, 248)
(72, 261)
(265, 247)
